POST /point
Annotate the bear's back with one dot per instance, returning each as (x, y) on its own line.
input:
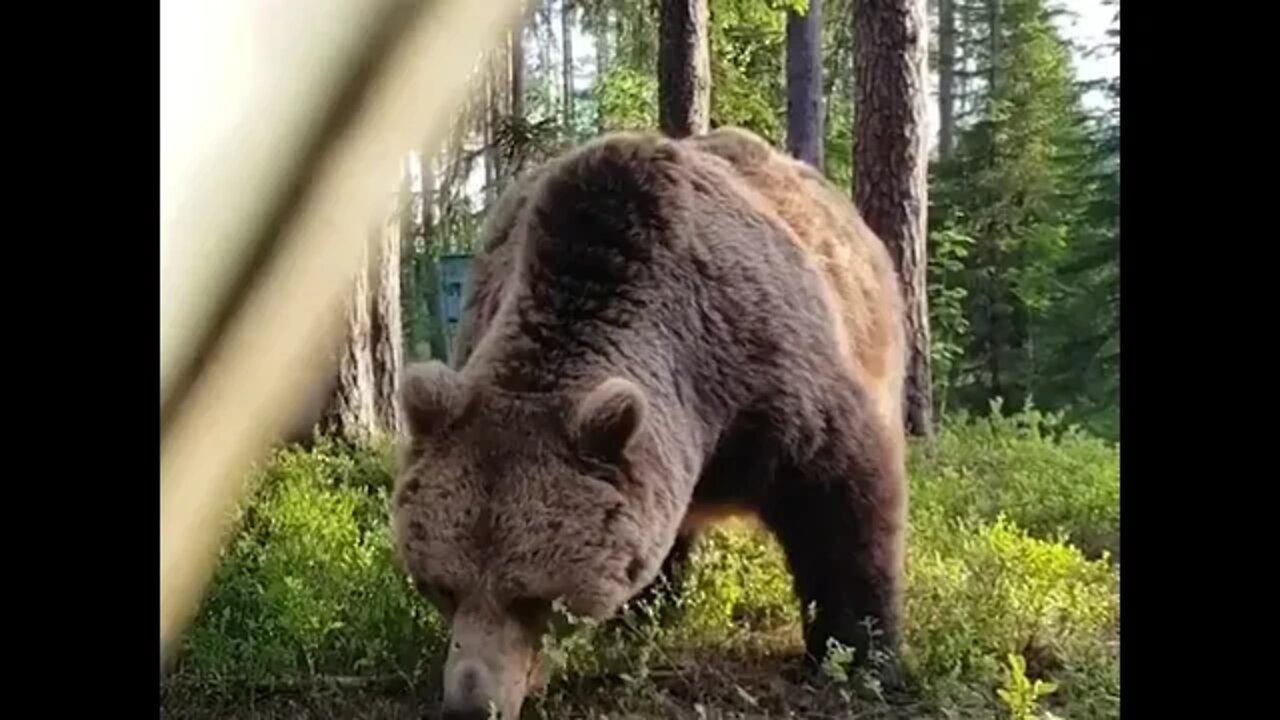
(862, 281)
(860, 278)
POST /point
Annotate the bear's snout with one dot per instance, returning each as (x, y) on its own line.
(490, 658)
(469, 692)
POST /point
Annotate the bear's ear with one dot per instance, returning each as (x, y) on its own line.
(431, 394)
(608, 417)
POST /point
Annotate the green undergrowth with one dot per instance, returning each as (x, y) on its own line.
(1012, 603)
(1054, 480)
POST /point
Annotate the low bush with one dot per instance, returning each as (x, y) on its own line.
(1053, 480)
(1013, 522)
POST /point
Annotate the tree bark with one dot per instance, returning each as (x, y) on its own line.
(604, 44)
(427, 194)
(498, 79)
(410, 306)
(490, 124)
(517, 70)
(804, 84)
(891, 164)
(544, 39)
(993, 35)
(566, 65)
(386, 328)
(365, 401)
(350, 414)
(602, 64)
(946, 77)
(425, 270)
(684, 68)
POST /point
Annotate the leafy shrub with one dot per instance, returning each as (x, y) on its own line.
(977, 593)
(629, 100)
(308, 585)
(738, 583)
(1002, 512)
(1052, 480)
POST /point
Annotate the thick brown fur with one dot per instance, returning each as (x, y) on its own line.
(659, 333)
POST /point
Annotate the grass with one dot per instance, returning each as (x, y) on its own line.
(1012, 603)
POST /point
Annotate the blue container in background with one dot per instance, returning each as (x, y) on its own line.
(454, 272)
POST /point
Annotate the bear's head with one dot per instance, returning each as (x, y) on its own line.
(508, 503)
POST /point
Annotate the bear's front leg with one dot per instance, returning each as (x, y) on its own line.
(840, 518)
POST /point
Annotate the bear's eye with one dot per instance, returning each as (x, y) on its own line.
(442, 598)
(529, 611)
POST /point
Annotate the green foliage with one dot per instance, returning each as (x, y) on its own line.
(1028, 311)
(838, 661)
(1084, 323)
(949, 248)
(747, 38)
(1052, 479)
(837, 147)
(636, 34)
(629, 100)
(736, 583)
(749, 41)
(980, 591)
(308, 585)
(523, 142)
(837, 79)
(1021, 695)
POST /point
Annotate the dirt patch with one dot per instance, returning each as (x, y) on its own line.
(697, 688)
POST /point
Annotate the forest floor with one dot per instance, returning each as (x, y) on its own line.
(701, 689)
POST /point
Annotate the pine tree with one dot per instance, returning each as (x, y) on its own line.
(891, 167)
(684, 70)
(804, 83)
(1016, 195)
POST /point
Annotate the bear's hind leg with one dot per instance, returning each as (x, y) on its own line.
(839, 519)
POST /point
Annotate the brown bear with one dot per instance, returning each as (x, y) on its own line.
(659, 333)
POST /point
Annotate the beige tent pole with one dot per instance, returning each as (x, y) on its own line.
(268, 353)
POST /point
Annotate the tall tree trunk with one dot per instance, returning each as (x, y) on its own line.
(350, 414)
(427, 194)
(804, 84)
(993, 34)
(385, 328)
(566, 65)
(365, 400)
(497, 82)
(517, 70)
(891, 162)
(426, 266)
(684, 68)
(964, 55)
(499, 86)
(545, 39)
(604, 42)
(488, 122)
(410, 292)
(602, 64)
(619, 33)
(946, 77)
(995, 288)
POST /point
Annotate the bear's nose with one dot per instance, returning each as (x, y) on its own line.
(469, 693)
(473, 712)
